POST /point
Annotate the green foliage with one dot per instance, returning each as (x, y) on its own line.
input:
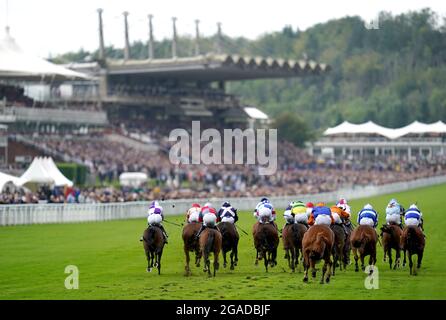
(292, 128)
(73, 171)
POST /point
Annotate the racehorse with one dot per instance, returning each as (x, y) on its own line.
(191, 244)
(363, 240)
(317, 245)
(266, 241)
(391, 235)
(339, 247)
(153, 242)
(412, 240)
(292, 236)
(210, 242)
(230, 238)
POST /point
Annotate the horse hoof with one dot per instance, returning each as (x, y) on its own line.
(356, 269)
(327, 280)
(321, 282)
(149, 269)
(305, 280)
(232, 267)
(224, 265)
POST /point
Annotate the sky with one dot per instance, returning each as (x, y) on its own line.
(50, 27)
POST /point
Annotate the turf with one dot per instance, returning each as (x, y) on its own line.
(112, 264)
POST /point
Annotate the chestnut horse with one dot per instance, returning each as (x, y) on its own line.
(210, 242)
(391, 235)
(292, 236)
(339, 247)
(412, 240)
(266, 241)
(317, 245)
(191, 244)
(230, 238)
(363, 240)
(153, 243)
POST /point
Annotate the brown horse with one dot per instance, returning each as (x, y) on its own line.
(391, 235)
(210, 242)
(266, 241)
(339, 247)
(230, 238)
(292, 236)
(412, 240)
(191, 244)
(363, 240)
(317, 245)
(153, 242)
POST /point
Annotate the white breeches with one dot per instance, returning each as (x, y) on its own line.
(336, 218)
(393, 218)
(367, 222)
(301, 218)
(412, 222)
(209, 220)
(154, 219)
(193, 217)
(323, 219)
(228, 219)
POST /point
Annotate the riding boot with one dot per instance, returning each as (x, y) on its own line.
(164, 233)
(401, 226)
(200, 231)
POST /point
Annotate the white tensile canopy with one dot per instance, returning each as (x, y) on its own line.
(370, 127)
(6, 179)
(44, 171)
(255, 113)
(17, 64)
(132, 179)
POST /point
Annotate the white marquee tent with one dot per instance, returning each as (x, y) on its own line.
(17, 64)
(6, 179)
(44, 171)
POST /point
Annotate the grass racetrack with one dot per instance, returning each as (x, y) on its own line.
(112, 263)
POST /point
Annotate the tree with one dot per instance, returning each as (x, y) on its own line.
(292, 128)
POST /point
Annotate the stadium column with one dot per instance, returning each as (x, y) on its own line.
(151, 44)
(126, 35)
(409, 153)
(101, 37)
(174, 39)
(197, 38)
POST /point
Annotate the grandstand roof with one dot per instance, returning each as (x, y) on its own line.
(217, 67)
(373, 128)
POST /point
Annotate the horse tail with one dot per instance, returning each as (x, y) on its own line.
(150, 236)
(411, 236)
(209, 242)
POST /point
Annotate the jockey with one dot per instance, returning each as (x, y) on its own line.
(289, 217)
(413, 217)
(393, 213)
(155, 217)
(339, 217)
(321, 214)
(300, 212)
(368, 216)
(209, 217)
(265, 213)
(262, 203)
(342, 203)
(227, 213)
(193, 214)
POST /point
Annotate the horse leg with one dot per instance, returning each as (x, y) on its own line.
(265, 257)
(187, 267)
(296, 258)
(306, 265)
(355, 254)
(293, 259)
(404, 259)
(235, 250)
(389, 253)
(397, 258)
(158, 263)
(148, 261)
(224, 259)
(257, 258)
(420, 258)
(362, 257)
(216, 264)
(198, 255)
(313, 268)
(232, 259)
(411, 264)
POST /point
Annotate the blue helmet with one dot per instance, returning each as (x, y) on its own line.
(226, 204)
(264, 200)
